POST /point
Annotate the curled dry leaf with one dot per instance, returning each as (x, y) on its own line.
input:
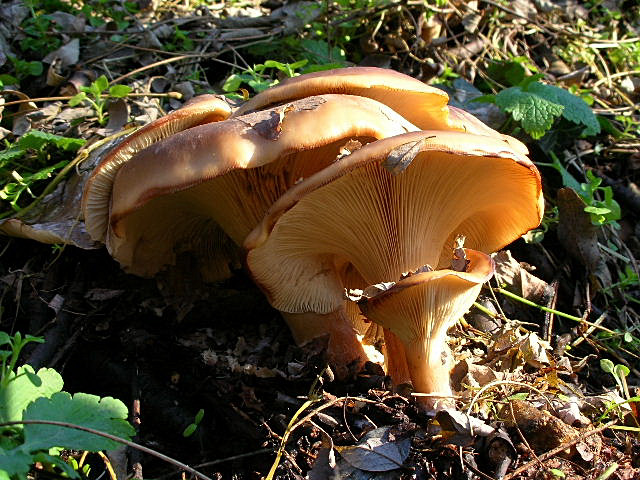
(401, 157)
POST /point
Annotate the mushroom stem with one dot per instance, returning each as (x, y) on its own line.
(344, 352)
(395, 359)
(429, 366)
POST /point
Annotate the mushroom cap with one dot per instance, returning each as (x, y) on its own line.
(423, 105)
(177, 193)
(356, 211)
(425, 305)
(419, 309)
(97, 191)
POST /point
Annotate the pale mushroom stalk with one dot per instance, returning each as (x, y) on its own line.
(419, 310)
(395, 359)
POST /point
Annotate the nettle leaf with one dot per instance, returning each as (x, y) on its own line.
(20, 391)
(107, 415)
(575, 110)
(36, 139)
(535, 113)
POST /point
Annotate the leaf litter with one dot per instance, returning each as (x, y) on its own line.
(528, 381)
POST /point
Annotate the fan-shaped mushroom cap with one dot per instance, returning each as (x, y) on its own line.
(420, 309)
(356, 211)
(97, 191)
(177, 193)
(423, 105)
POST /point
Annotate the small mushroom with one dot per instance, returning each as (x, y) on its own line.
(357, 214)
(419, 310)
(97, 192)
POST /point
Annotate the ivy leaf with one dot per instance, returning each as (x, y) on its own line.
(19, 391)
(575, 110)
(107, 415)
(535, 113)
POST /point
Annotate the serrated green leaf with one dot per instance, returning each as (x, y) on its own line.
(37, 139)
(575, 110)
(536, 114)
(107, 415)
(119, 91)
(19, 391)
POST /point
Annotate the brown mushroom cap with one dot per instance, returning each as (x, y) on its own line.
(177, 193)
(423, 105)
(420, 309)
(355, 211)
(97, 191)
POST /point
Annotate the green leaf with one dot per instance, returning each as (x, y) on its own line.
(557, 473)
(232, 83)
(621, 371)
(35, 68)
(5, 339)
(18, 391)
(575, 110)
(36, 139)
(77, 99)
(199, 416)
(119, 91)
(535, 113)
(597, 210)
(101, 83)
(45, 458)
(107, 415)
(14, 463)
(189, 430)
(606, 365)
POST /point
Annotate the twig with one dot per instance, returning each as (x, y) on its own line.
(104, 95)
(564, 446)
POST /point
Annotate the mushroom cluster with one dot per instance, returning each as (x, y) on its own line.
(357, 179)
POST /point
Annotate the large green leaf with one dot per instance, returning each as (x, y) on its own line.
(24, 387)
(107, 415)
